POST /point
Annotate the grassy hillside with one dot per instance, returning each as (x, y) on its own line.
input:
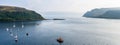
(9, 13)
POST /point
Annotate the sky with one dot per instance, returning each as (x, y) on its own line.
(62, 5)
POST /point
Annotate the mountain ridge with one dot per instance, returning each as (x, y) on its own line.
(113, 13)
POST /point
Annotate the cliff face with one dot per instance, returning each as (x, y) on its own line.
(113, 13)
(10, 13)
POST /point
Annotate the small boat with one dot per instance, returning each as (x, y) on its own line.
(11, 34)
(14, 26)
(7, 29)
(27, 34)
(16, 38)
(60, 40)
(22, 26)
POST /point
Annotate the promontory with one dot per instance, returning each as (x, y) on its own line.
(108, 13)
(13, 13)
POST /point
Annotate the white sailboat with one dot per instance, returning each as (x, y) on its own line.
(7, 29)
(16, 38)
(14, 25)
(22, 26)
(11, 34)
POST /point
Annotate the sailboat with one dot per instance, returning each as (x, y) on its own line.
(22, 26)
(7, 29)
(14, 26)
(16, 38)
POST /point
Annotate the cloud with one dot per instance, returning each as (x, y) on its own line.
(54, 5)
(62, 5)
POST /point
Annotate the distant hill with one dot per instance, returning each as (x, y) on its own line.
(11, 13)
(112, 13)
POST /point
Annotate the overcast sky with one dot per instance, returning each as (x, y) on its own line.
(62, 5)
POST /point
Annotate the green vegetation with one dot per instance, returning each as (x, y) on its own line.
(8, 13)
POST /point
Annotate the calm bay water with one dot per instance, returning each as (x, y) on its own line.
(75, 30)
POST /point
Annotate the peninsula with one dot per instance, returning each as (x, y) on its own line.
(108, 13)
(12, 13)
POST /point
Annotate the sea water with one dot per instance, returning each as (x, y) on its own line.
(74, 30)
